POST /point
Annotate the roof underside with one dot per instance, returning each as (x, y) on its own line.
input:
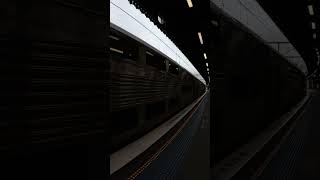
(181, 25)
(294, 19)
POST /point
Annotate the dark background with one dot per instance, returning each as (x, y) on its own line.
(53, 107)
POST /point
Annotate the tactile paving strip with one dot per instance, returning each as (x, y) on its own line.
(165, 164)
(284, 164)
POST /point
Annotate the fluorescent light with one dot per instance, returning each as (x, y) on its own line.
(113, 37)
(161, 21)
(200, 37)
(190, 3)
(149, 53)
(116, 50)
(310, 7)
(313, 25)
(215, 23)
(207, 64)
(314, 36)
(205, 55)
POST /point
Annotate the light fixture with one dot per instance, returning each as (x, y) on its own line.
(208, 69)
(314, 36)
(207, 64)
(116, 50)
(313, 25)
(190, 3)
(200, 37)
(114, 37)
(310, 8)
(215, 23)
(149, 53)
(160, 20)
(205, 55)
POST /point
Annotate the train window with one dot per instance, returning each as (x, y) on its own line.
(124, 120)
(155, 60)
(122, 46)
(155, 109)
(173, 69)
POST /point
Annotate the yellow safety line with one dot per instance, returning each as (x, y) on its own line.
(147, 163)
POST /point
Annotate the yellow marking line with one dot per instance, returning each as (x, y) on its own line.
(149, 161)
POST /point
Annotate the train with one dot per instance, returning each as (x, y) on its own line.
(146, 88)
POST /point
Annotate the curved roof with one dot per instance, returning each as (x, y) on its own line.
(251, 14)
(128, 18)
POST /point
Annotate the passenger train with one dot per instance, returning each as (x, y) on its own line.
(146, 88)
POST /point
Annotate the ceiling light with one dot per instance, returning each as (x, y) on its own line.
(149, 53)
(208, 69)
(310, 8)
(205, 55)
(113, 37)
(215, 23)
(314, 36)
(207, 64)
(116, 50)
(200, 37)
(160, 20)
(190, 3)
(313, 25)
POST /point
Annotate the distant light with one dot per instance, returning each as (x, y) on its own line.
(200, 37)
(161, 21)
(207, 64)
(205, 55)
(310, 7)
(313, 25)
(190, 3)
(149, 53)
(113, 37)
(116, 50)
(314, 36)
(215, 23)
